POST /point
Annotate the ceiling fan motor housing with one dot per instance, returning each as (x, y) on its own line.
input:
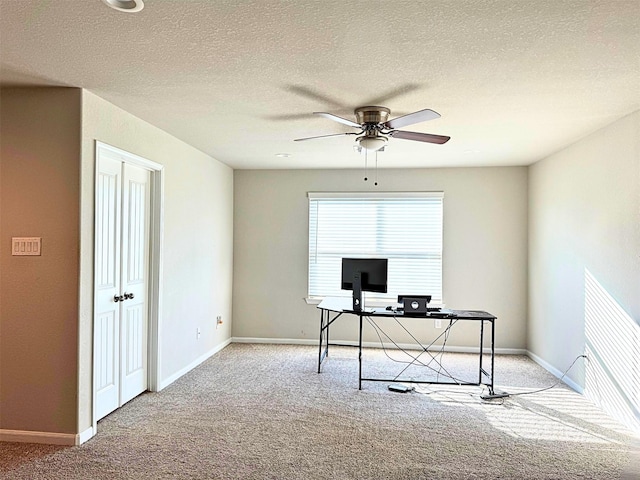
(371, 120)
(372, 115)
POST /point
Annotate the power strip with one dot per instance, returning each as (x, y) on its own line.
(398, 387)
(491, 396)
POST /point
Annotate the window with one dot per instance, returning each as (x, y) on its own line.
(406, 228)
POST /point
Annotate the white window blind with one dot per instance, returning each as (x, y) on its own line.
(405, 228)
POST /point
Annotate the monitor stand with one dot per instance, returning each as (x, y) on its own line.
(357, 292)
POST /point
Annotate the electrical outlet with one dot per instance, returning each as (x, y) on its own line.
(218, 320)
(438, 323)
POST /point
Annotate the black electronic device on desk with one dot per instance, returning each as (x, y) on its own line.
(364, 275)
(411, 305)
(442, 313)
(414, 303)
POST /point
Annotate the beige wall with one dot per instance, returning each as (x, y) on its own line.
(584, 263)
(40, 197)
(485, 247)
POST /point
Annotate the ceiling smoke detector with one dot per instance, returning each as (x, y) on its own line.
(129, 6)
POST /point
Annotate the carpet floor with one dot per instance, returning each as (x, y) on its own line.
(262, 412)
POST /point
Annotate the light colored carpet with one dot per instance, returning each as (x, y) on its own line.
(262, 412)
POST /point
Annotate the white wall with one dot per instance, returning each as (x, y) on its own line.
(197, 241)
(485, 247)
(584, 264)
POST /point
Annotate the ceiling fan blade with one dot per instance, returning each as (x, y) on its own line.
(313, 95)
(324, 136)
(335, 118)
(384, 97)
(411, 118)
(420, 137)
(287, 117)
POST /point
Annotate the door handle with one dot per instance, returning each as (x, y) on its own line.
(117, 298)
(128, 295)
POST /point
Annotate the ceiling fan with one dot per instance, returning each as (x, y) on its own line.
(375, 127)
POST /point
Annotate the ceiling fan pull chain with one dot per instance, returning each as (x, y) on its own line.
(365, 166)
(376, 181)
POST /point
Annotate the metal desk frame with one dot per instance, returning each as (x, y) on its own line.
(330, 311)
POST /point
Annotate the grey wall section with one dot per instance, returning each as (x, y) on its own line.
(584, 222)
(40, 197)
(485, 247)
(197, 242)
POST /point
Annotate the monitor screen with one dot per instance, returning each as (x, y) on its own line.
(373, 273)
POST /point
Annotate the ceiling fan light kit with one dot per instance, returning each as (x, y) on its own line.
(372, 144)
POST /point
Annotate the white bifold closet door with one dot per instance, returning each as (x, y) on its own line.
(121, 279)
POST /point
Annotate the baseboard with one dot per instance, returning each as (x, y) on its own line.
(276, 341)
(409, 346)
(49, 438)
(86, 435)
(26, 436)
(168, 381)
(555, 372)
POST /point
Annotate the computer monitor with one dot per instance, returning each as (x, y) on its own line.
(364, 275)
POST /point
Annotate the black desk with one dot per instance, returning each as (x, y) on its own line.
(333, 308)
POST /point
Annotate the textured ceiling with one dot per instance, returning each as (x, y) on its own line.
(513, 80)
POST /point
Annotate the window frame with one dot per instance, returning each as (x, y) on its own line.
(372, 298)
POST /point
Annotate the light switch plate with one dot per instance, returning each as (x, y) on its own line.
(25, 245)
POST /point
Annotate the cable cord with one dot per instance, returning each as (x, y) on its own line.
(434, 358)
(377, 329)
(416, 359)
(555, 384)
(508, 395)
(444, 343)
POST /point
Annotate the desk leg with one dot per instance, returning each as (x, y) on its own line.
(493, 356)
(360, 356)
(481, 351)
(322, 316)
(326, 334)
